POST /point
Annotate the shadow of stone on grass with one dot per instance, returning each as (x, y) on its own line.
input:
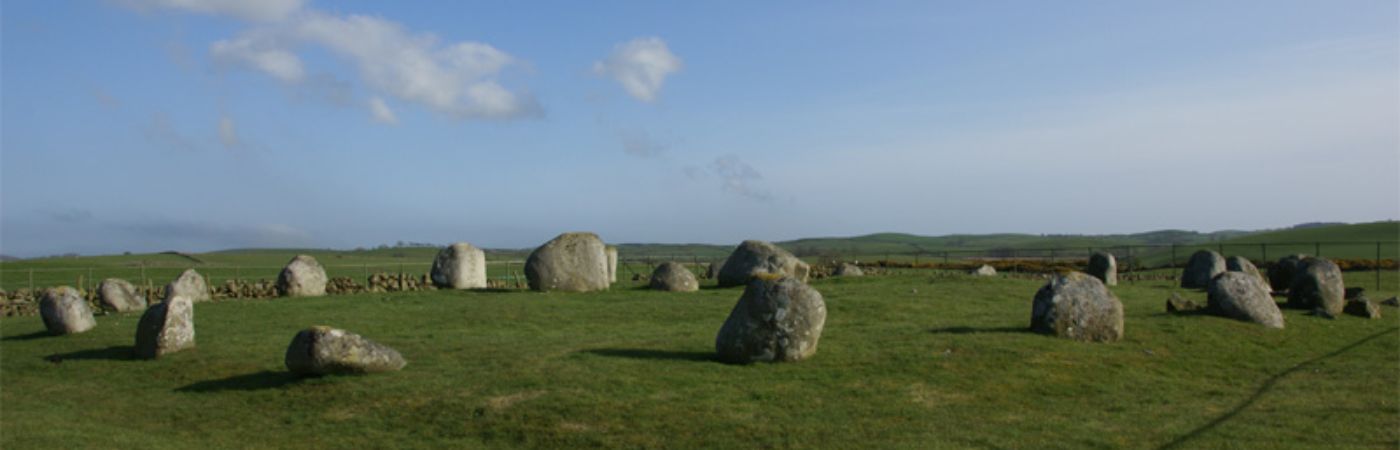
(266, 379)
(30, 336)
(113, 353)
(637, 353)
(975, 330)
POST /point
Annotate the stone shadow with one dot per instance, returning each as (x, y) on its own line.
(976, 330)
(637, 353)
(113, 353)
(29, 337)
(266, 379)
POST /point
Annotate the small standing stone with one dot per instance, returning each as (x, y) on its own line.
(190, 284)
(575, 262)
(1104, 266)
(984, 271)
(1203, 266)
(302, 277)
(848, 270)
(674, 277)
(119, 295)
(324, 350)
(165, 328)
(612, 263)
(65, 312)
(460, 266)
(1318, 286)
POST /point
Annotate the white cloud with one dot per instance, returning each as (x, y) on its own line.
(738, 177)
(381, 111)
(260, 51)
(254, 10)
(227, 134)
(640, 66)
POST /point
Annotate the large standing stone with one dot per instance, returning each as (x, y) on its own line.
(166, 328)
(65, 312)
(752, 258)
(1243, 265)
(778, 319)
(571, 262)
(1318, 286)
(847, 270)
(1203, 266)
(712, 272)
(460, 266)
(119, 295)
(324, 350)
(673, 276)
(302, 277)
(1242, 296)
(612, 263)
(1077, 306)
(984, 271)
(1104, 266)
(190, 285)
(1282, 273)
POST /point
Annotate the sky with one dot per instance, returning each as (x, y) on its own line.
(152, 125)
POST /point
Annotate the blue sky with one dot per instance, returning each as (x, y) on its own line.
(146, 125)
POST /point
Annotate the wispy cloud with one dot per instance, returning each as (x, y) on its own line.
(228, 135)
(740, 178)
(381, 111)
(161, 132)
(256, 10)
(640, 66)
(260, 50)
(70, 215)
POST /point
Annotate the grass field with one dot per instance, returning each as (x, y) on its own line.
(914, 360)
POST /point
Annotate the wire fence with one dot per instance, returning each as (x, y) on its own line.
(1377, 256)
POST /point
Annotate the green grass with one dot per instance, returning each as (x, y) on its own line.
(915, 360)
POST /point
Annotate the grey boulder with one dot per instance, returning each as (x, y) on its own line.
(1177, 304)
(674, 277)
(165, 328)
(324, 350)
(1282, 273)
(302, 277)
(984, 271)
(65, 312)
(1243, 265)
(1203, 266)
(459, 266)
(1104, 266)
(753, 258)
(575, 262)
(778, 319)
(1318, 286)
(120, 295)
(1242, 296)
(1077, 306)
(189, 284)
(847, 270)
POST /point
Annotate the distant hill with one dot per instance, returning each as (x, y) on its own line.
(8, 258)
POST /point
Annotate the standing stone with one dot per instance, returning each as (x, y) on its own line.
(712, 272)
(1363, 307)
(65, 312)
(460, 266)
(324, 350)
(1282, 273)
(984, 271)
(573, 262)
(673, 276)
(1077, 306)
(1243, 265)
(778, 319)
(1242, 296)
(612, 263)
(119, 295)
(1318, 286)
(848, 270)
(753, 258)
(190, 285)
(1104, 266)
(166, 328)
(302, 277)
(1203, 266)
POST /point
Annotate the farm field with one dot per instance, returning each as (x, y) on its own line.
(915, 359)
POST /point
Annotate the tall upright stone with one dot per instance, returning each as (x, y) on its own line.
(165, 328)
(1243, 265)
(1201, 268)
(1318, 286)
(65, 312)
(1104, 266)
(1282, 273)
(120, 295)
(575, 262)
(778, 319)
(1242, 296)
(612, 263)
(1077, 306)
(460, 266)
(753, 258)
(189, 284)
(302, 277)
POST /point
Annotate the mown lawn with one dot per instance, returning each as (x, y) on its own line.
(911, 361)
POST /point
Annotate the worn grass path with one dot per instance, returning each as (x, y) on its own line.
(908, 361)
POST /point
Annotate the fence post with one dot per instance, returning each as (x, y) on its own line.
(1131, 263)
(945, 257)
(1317, 249)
